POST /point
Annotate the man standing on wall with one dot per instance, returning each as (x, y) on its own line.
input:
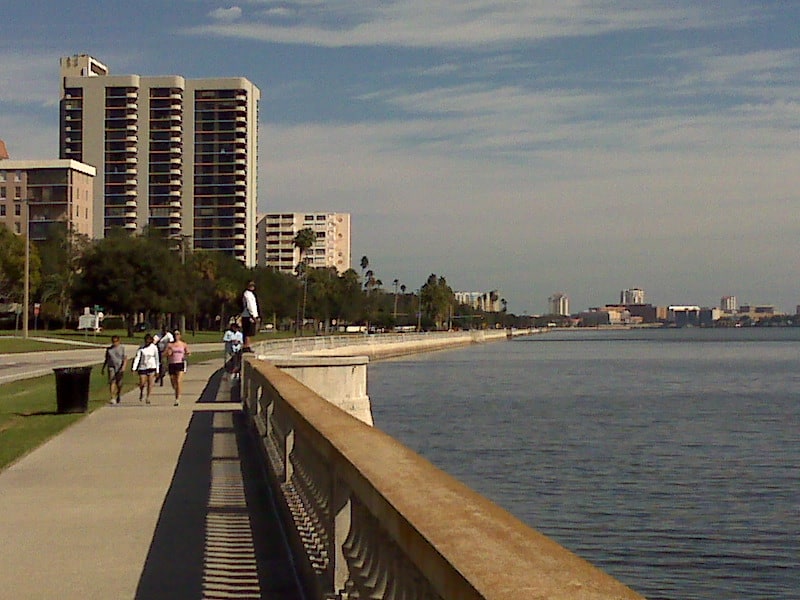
(250, 316)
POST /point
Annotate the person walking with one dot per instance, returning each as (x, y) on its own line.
(146, 364)
(114, 363)
(162, 340)
(177, 353)
(233, 348)
(250, 316)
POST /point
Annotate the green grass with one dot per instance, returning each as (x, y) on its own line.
(16, 345)
(28, 415)
(103, 338)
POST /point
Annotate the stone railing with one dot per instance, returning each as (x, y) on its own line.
(368, 518)
(381, 345)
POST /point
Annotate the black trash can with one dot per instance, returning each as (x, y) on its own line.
(72, 389)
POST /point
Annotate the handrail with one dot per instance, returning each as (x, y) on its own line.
(369, 518)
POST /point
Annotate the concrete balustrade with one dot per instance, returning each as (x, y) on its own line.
(369, 518)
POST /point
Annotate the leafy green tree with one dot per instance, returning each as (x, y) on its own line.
(437, 299)
(12, 266)
(60, 254)
(129, 275)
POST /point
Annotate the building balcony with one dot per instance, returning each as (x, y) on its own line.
(132, 106)
(130, 226)
(175, 193)
(131, 204)
(175, 204)
(132, 94)
(131, 192)
(240, 204)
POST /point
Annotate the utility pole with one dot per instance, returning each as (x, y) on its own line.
(26, 295)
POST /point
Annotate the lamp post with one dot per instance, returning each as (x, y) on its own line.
(26, 294)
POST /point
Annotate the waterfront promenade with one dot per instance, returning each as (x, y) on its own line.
(145, 502)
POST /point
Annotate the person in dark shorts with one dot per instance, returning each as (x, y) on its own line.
(114, 363)
(177, 353)
(250, 316)
(146, 364)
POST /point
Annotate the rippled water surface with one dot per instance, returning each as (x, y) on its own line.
(669, 458)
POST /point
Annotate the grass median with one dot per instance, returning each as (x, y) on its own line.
(28, 416)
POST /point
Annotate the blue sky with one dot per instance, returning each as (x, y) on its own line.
(529, 147)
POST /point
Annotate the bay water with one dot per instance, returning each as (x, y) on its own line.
(668, 458)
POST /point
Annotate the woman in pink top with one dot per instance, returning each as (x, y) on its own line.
(177, 352)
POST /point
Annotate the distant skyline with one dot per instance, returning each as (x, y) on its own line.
(533, 148)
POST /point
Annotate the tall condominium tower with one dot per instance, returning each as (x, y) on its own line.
(172, 154)
(631, 296)
(558, 304)
(276, 233)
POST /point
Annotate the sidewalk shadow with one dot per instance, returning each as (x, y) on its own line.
(218, 534)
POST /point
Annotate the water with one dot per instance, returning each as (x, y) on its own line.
(668, 458)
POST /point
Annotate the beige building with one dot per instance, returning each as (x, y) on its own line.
(57, 192)
(276, 233)
(172, 154)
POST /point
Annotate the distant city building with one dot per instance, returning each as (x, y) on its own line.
(173, 155)
(558, 304)
(607, 315)
(756, 312)
(56, 192)
(682, 316)
(277, 231)
(728, 304)
(631, 296)
(485, 301)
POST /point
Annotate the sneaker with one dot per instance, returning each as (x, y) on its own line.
(141, 394)
(177, 403)
(147, 401)
(113, 401)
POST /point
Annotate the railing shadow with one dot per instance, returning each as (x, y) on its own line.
(217, 535)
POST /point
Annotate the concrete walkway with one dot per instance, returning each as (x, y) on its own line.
(146, 502)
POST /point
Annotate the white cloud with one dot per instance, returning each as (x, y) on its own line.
(457, 23)
(226, 15)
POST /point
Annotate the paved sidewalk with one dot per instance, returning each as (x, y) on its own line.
(146, 502)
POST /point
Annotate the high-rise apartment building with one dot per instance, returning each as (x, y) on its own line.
(37, 195)
(558, 304)
(728, 304)
(276, 235)
(172, 154)
(631, 296)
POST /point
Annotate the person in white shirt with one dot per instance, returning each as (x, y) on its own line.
(250, 316)
(233, 348)
(147, 364)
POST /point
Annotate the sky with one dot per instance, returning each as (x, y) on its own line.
(529, 147)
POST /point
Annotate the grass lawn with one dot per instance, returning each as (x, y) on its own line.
(28, 415)
(10, 345)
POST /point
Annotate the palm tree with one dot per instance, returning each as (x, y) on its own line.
(303, 241)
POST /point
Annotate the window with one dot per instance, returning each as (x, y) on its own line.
(17, 176)
(2, 210)
(3, 193)
(17, 192)
(17, 209)
(2, 176)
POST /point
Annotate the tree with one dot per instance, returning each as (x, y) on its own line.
(12, 266)
(303, 241)
(436, 299)
(128, 275)
(60, 254)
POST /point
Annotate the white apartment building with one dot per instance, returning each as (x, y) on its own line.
(485, 301)
(728, 304)
(277, 231)
(172, 154)
(631, 296)
(558, 304)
